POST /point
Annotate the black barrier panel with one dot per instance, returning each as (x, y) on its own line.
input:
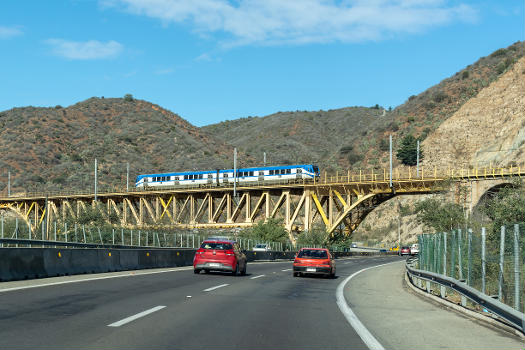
(22, 263)
(28, 263)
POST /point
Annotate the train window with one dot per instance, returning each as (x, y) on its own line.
(210, 176)
(201, 176)
(283, 171)
(225, 175)
(271, 172)
(185, 177)
(251, 173)
(288, 171)
(299, 171)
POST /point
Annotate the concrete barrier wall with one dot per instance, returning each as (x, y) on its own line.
(29, 263)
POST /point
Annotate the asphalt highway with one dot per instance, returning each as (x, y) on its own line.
(266, 309)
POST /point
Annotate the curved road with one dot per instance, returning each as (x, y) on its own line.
(173, 308)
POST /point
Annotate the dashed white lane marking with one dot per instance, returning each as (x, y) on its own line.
(213, 288)
(361, 330)
(287, 270)
(254, 277)
(134, 317)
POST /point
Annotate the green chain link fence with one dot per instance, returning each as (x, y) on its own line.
(491, 262)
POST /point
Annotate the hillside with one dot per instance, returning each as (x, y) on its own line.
(487, 129)
(357, 136)
(491, 126)
(55, 148)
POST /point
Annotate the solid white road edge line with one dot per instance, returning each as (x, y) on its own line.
(254, 277)
(350, 316)
(129, 274)
(134, 317)
(287, 270)
(219, 286)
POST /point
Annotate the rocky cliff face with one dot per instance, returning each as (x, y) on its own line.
(489, 129)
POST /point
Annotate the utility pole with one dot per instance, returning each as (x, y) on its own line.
(127, 177)
(95, 179)
(417, 167)
(235, 172)
(390, 160)
(264, 158)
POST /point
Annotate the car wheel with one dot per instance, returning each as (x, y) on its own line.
(243, 272)
(236, 271)
(196, 271)
(206, 271)
(296, 274)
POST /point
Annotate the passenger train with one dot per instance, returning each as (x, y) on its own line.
(221, 177)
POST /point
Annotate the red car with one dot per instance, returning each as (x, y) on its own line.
(219, 255)
(404, 251)
(317, 261)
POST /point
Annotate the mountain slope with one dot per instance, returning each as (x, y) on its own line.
(358, 136)
(490, 126)
(55, 148)
(487, 129)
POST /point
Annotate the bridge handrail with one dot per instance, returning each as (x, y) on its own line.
(514, 317)
(363, 177)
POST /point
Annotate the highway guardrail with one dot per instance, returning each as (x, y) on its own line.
(507, 313)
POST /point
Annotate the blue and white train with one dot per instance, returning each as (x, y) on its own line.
(221, 177)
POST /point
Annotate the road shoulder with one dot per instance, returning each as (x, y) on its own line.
(398, 318)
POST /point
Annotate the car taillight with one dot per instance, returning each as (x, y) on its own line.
(230, 252)
(200, 251)
(296, 261)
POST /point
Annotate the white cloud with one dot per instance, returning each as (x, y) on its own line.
(9, 32)
(275, 22)
(204, 57)
(164, 71)
(85, 50)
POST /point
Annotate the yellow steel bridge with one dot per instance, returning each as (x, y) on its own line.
(337, 202)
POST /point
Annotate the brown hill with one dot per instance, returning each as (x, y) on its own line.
(358, 136)
(487, 129)
(55, 148)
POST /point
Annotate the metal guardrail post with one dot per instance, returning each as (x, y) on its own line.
(460, 257)
(501, 256)
(483, 260)
(453, 255)
(469, 252)
(443, 290)
(516, 268)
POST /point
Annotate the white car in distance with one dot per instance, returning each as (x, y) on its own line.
(262, 247)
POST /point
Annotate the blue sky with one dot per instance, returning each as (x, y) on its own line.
(212, 60)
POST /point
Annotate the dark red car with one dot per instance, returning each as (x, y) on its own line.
(219, 255)
(404, 251)
(317, 261)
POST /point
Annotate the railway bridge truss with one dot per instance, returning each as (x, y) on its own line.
(337, 203)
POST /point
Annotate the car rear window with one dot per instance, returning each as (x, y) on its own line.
(216, 246)
(312, 254)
